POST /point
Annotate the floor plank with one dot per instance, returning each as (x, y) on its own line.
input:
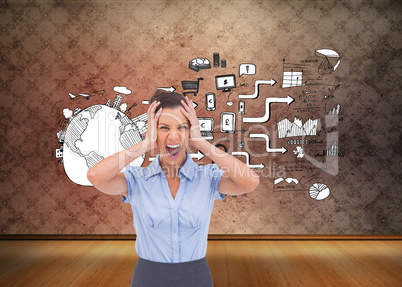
(232, 262)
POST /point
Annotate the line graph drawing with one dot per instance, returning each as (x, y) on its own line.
(247, 155)
(267, 139)
(296, 128)
(267, 115)
(271, 82)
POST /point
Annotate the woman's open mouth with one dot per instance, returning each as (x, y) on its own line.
(173, 150)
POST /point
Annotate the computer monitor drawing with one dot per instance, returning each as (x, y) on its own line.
(206, 128)
(225, 82)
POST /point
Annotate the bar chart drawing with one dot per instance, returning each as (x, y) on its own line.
(335, 110)
(293, 74)
(332, 150)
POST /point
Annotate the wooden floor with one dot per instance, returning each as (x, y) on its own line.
(232, 263)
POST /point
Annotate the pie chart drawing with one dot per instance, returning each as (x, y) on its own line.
(319, 191)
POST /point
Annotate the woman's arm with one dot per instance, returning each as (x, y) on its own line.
(106, 175)
(238, 177)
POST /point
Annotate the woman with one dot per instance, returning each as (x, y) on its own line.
(172, 199)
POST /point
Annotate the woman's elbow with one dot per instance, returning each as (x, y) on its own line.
(91, 176)
(255, 183)
(252, 184)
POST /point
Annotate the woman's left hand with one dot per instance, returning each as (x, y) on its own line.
(189, 112)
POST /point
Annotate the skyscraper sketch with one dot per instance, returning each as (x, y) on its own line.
(117, 101)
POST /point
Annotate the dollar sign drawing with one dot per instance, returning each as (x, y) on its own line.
(227, 122)
(225, 82)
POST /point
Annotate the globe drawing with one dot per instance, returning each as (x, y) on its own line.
(94, 134)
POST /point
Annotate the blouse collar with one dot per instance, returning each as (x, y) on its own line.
(188, 169)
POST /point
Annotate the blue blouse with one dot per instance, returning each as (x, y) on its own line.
(172, 230)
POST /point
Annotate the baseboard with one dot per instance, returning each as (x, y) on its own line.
(210, 237)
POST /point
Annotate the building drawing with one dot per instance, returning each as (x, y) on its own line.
(117, 101)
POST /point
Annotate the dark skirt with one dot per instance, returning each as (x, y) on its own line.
(155, 274)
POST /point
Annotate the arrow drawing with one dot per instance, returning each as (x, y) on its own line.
(171, 89)
(199, 155)
(268, 102)
(146, 102)
(247, 155)
(257, 83)
(266, 137)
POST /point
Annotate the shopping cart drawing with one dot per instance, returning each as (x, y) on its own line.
(191, 85)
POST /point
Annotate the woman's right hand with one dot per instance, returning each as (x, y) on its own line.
(152, 132)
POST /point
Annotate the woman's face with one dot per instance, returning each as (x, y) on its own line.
(173, 136)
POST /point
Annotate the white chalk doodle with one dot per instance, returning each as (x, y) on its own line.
(171, 89)
(123, 107)
(288, 180)
(191, 85)
(319, 191)
(225, 83)
(268, 148)
(296, 128)
(247, 69)
(228, 122)
(335, 110)
(206, 128)
(299, 152)
(267, 115)
(67, 113)
(247, 155)
(121, 90)
(256, 88)
(95, 133)
(293, 74)
(199, 155)
(326, 67)
(199, 64)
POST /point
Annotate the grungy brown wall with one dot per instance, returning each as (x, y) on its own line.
(53, 50)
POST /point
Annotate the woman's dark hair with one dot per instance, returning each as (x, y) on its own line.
(167, 99)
